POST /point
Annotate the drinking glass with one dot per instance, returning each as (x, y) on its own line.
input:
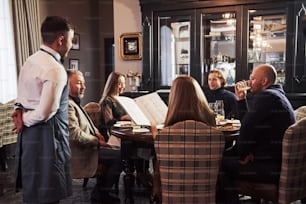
(212, 106)
(243, 85)
(219, 110)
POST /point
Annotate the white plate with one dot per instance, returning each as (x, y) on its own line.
(141, 130)
(234, 122)
(124, 122)
(117, 125)
(223, 122)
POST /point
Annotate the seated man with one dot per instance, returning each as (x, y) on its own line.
(217, 91)
(264, 120)
(87, 144)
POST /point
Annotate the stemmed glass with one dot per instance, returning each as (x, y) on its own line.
(219, 110)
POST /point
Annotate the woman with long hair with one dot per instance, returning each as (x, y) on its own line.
(189, 147)
(188, 102)
(112, 111)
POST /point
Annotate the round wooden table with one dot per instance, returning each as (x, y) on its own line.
(128, 135)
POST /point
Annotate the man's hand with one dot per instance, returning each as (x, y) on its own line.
(17, 120)
(241, 94)
(101, 140)
(247, 159)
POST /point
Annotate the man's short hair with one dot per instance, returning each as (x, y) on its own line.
(53, 26)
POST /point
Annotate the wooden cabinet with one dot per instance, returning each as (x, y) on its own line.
(192, 36)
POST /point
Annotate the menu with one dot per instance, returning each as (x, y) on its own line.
(145, 110)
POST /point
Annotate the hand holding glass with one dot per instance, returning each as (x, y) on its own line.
(243, 85)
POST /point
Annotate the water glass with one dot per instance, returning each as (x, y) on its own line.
(219, 110)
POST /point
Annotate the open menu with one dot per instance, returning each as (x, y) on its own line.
(145, 110)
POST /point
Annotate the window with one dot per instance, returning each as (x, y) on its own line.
(8, 70)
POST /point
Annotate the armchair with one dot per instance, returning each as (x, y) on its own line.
(189, 155)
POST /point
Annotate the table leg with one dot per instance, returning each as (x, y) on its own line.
(129, 180)
(128, 168)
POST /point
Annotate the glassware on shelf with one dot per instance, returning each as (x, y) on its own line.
(267, 39)
(218, 44)
(174, 43)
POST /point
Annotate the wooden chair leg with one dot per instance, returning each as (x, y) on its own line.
(85, 181)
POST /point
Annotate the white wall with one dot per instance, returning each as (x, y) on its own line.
(127, 19)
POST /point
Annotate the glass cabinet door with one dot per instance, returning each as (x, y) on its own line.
(218, 44)
(267, 39)
(174, 48)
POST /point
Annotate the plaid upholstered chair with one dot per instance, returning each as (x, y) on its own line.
(300, 113)
(292, 183)
(189, 155)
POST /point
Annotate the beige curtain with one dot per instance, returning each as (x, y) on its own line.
(26, 29)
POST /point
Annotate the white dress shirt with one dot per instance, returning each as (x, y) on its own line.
(40, 86)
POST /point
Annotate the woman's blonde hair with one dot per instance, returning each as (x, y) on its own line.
(188, 102)
(111, 85)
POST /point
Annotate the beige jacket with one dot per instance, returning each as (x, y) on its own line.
(83, 143)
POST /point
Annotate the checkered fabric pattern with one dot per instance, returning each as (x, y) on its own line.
(300, 113)
(189, 155)
(292, 184)
(7, 136)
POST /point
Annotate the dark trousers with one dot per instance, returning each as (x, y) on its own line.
(231, 170)
(111, 159)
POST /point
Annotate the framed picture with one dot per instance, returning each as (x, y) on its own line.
(76, 42)
(74, 63)
(131, 46)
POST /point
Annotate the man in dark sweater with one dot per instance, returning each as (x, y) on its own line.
(217, 91)
(258, 152)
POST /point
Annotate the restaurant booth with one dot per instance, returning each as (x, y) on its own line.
(194, 36)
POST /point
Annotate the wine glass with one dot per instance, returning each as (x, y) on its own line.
(219, 110)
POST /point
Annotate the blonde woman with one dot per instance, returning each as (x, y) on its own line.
(189, 148)
(112, 111)
(188, 102)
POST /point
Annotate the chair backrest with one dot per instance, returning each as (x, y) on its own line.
(300, 113)
(189, 155)
(7, 136)
(93, 110)
(292, 184)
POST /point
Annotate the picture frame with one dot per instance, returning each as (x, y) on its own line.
(130, 46)
(74, 63)
(76, 42)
